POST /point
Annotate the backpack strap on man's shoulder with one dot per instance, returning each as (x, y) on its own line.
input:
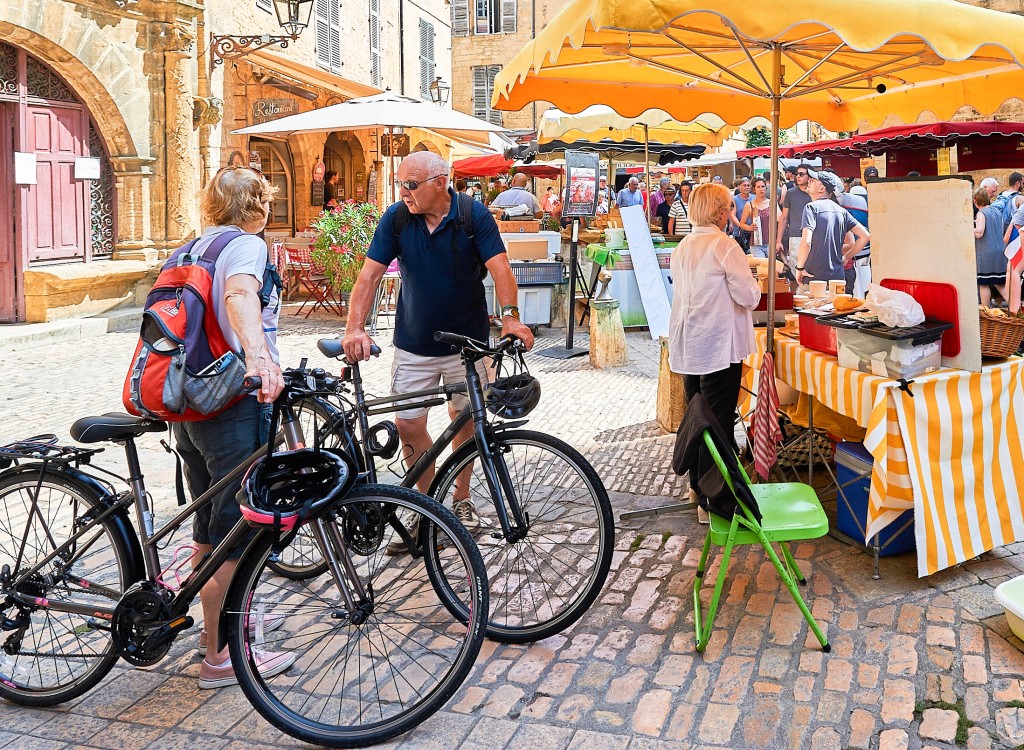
(400, 220)
(464, 213)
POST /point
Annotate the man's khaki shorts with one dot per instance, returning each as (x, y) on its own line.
(413, 372)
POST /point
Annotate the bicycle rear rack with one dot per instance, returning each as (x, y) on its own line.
(44, 448)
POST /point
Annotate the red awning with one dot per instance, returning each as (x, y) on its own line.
(481, 166)
(541, 171)
(932, 135)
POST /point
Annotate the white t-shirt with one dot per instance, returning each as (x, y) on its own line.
(246, 254)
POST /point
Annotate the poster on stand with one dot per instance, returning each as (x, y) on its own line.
(581, 172)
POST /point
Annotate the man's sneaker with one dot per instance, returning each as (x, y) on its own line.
(269, 664)
(397, 546)
(465, 511)
(271, 623)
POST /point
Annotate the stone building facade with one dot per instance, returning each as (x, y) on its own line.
(486, 34)
(121, 109)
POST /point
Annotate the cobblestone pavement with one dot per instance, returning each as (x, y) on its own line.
(914, 663)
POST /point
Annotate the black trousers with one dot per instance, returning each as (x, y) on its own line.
(721, 391)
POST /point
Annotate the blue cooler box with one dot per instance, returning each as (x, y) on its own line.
(853, 464)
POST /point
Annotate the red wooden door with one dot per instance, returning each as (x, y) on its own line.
(57, 206)
(9, 292)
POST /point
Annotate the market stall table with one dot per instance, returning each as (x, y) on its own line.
(948, 446)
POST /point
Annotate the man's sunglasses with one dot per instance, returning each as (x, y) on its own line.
(801, 174)
(411, 185)
(239, 166)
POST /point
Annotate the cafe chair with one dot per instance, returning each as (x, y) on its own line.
(385, 301)
(743, 513)
(311, 279)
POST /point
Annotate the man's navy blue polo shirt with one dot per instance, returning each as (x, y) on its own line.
(442, 284)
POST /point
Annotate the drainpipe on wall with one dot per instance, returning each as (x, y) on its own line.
(401, 47)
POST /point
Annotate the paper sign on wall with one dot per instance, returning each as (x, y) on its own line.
(87, 168)
(24, 168)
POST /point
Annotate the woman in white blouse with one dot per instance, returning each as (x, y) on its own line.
(711, 330)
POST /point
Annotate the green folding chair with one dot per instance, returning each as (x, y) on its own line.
(790, 512)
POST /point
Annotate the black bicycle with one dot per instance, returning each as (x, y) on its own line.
(376, 648)
(550, 552)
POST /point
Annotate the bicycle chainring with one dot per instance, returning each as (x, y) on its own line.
(138, 615)
(362, 526)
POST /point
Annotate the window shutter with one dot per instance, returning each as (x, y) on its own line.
(266, 5)
(460, 17)
(323, 33)
(426, 59)
(493, 115)
(508, 16)
(335, 11)
(376, 76)
(481, 98)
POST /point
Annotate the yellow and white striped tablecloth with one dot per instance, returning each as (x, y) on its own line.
(951, 448)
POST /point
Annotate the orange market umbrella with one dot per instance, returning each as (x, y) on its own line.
(844, 66)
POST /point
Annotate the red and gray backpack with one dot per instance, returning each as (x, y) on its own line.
(181, 339)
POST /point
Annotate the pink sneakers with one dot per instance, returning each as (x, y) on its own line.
(269, 663)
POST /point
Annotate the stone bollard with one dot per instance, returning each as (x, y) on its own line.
(671, 402)
(607, 338)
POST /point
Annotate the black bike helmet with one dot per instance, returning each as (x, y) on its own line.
(514, 396)
(276, 489)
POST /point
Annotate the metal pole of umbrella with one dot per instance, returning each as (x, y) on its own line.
(773, 224)
(391, 158)
(647, 170)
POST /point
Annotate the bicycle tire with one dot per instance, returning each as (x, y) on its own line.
(546, 564)
(326, 707)
(102, 558)
(303, 559)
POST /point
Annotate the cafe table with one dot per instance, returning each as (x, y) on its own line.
(947, 445)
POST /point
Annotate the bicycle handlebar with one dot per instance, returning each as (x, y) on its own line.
(465, 342)
(297, 382)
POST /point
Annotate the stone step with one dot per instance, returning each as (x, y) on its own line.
(18, 337)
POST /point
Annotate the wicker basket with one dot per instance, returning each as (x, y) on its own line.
(1001, 337)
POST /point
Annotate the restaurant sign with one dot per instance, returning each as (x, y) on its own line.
(264, 110)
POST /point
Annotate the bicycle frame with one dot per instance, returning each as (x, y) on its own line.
(291, 435)
(506, 504)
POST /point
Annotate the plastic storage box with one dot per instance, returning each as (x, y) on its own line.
(535, 273)
(887, 357)
(1011, 595)
(853, 470)
(815, 335)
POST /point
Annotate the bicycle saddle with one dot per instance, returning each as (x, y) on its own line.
(113, 426)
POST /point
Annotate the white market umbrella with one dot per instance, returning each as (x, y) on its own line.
(386, 110)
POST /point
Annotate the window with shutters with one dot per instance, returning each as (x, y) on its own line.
(376, 74)
(491, 16)
(426, 58)
(267, 5)
(460, 17)
(483, 87)
(328, 34)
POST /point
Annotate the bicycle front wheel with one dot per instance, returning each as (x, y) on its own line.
(50, 656)
(545, 582)
(375, 653)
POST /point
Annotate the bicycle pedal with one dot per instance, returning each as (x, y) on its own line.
(94, 624)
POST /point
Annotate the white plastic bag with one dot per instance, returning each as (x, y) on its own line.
(894, 309)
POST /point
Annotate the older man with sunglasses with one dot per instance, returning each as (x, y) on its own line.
(445, 247)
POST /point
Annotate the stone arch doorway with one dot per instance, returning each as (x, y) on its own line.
(64, 201)
(344, 155)
(426, 146)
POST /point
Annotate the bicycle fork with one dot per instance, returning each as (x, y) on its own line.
(342, 570)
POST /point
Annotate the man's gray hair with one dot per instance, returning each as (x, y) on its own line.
(663, 182)
(989, 182)
(633, 181)
(429, 162)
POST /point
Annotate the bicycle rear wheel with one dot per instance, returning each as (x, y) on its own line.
(56, 656)
(545, 582)
(370, 672)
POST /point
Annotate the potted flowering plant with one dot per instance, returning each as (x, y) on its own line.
(343, 235)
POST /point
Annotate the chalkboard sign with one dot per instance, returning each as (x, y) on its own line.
(316, 197)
